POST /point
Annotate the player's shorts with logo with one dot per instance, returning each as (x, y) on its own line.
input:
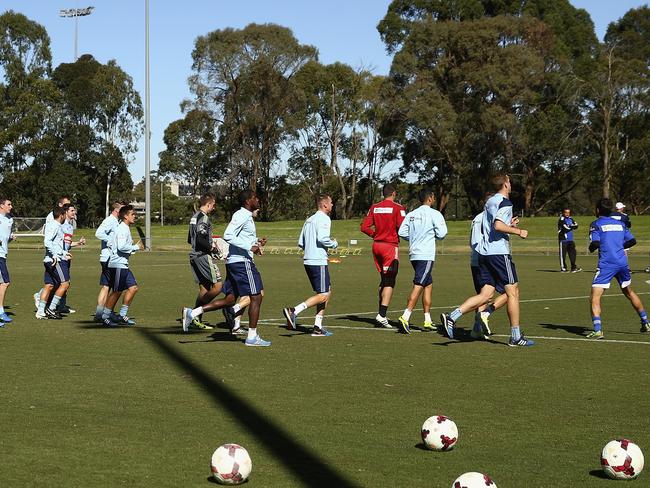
(319, 277)
(497, 270)
(106, 278)
(4, 272)
(386, 256)
(205, 270)
(123, 279)
(244, 279)
(476, 278)
(605, 274)
(55, 274)
(423, 269)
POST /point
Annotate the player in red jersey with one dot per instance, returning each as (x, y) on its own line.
(382, 223)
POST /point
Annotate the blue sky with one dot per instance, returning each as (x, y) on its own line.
(342, 30)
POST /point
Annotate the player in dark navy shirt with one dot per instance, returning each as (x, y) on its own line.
(611, 237)
(565, 227)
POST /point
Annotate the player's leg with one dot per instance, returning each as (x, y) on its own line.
(234, 314)
(562, 252)
(62, 272)
(571, 247)
(130, 288)
(319, 278)
(250, 283)
(624, 278)
(319, 328)
(4, 284)
(386, 257)
(596, 294)
(426, 307)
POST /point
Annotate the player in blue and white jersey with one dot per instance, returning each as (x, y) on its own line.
(620, 215)
(104, 233)
(242, 278)
(495, 262)
(122, 280)
(611, 237)
(69, 225)
(57, 274)
(565, 227)
(421, 228)
(6, 236)
(315, 240)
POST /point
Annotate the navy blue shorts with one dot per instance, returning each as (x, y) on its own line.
(4, 272)
(319, 277)
(423, 271)
(244, 279)
(123, 279)
(476, 278)
(56, 274)
(497, 270)
(106, 278)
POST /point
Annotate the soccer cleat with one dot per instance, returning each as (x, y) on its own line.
(448, 324)
(40, 316)
(2, 324)
(5, 318)
(645, 327)
(479, 336)
(108, 322)
(186, 318)
(37, 299)
(564, 270)
(404, 326)
(577, 270)
(124, 320)
(229, 316)
(320, 332)
(595, 334)
(65, 309)
(53, 314)
(485, 323)
(428, 326)
(257, 341)
(290, 314)
(239, 331)
(197, 324)
(521, 342)
(382, 322)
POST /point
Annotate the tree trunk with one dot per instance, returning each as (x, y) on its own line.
(108, 193)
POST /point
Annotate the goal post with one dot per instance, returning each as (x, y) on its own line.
(29, 226)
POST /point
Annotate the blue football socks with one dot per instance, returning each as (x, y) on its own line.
(455, 315)
(597, 324)
(515, 333)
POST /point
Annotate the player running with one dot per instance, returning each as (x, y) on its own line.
(422, 227)
(496, 268)
(315, 240)
(565, 227)
(6, 236)
(611, 237)
(104, 233)
(242, 277)
(382, 224)
(122, 279)
(69, 225)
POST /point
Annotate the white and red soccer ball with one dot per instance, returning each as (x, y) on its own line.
(622, 459)
(473, 480)
(231, 464)
(439, 433)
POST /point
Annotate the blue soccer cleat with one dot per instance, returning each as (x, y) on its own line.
(5, 318)
(257, 341)
(321, 332)
(448, 324)
(290, 314)
(521, 342)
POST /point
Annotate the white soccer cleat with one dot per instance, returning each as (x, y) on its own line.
(382, 322)
(186, 318)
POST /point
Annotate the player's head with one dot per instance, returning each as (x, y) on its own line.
(70, 211)
(116, 206)
(566, 212)
(604, 207)
(426, 196)
(63, 201)
(501, 181)
(324, 203)
(5, 206)
(249, 200)
(207, 202)
(58, 212)
(620, 207)
(389, 191)
(127, 214)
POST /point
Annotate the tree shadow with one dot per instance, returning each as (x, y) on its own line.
(572, 329)
(306, 464)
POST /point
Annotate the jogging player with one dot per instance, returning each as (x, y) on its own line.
(104, 233)
(6, 236)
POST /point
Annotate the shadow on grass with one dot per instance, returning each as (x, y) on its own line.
(463, 335)
(357, 318)
(300, 330)
(598, 473)
(573, 329)
(305, 464)
(422, 447)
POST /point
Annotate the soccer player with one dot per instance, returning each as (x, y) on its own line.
(481, 327)
(565, 227)
(382, 223)
(242, 278)
(315, 240)
(6, 236)
(421, 227)
(121, 247)
(104, 233)
(621, 215)
(57, 274)
(495, 262)
(68, 227)
(611, 237)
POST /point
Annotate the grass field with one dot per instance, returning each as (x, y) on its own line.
(146, 406)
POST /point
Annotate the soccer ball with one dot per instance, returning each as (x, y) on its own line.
(473, 480)
(231, 464)
(439, 433)
(622, 459)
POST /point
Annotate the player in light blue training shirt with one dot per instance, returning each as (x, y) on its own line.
(611, 237)
(6, 224)
(104, 233)
(496, 268)
(421, 228)
(315, 240)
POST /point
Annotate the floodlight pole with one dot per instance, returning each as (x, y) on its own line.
(147, 133)
(76, 13)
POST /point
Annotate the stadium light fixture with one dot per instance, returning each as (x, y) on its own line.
(76, 13)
